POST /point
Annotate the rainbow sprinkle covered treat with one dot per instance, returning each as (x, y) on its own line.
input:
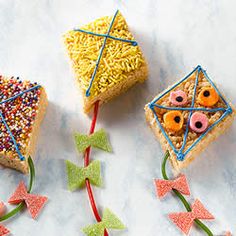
(106, 59)
(188, 116)
(22, 108)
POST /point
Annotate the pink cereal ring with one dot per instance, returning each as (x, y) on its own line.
(198, 122)
(178, 98)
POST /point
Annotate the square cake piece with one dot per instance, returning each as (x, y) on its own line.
(188, 116)
(106, 59)
(22, 108)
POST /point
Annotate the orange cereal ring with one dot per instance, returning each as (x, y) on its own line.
(173, 120)
(208, 97)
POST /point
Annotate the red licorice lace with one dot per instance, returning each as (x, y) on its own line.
(86, 163)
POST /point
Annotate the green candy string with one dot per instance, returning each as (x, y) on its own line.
(182, 198)
(20, 206)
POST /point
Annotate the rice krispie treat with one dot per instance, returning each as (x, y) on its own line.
(188, 116)
(22, 108)
(106, 59)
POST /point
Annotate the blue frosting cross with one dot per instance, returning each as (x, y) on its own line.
(180, 154)
(106, 36)
(22, 158)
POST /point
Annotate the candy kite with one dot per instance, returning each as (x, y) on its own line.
(22, 108)
(106, 61)
(186, 118)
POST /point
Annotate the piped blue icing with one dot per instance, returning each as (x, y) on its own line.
(22, 158)
(133, 42)
(180, 153)
(106, 36)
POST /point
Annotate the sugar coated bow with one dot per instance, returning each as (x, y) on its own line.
(77, 175)
(184, 220)
(33, 202)
(2, 209)
(109, 221)
(98, 140)
(228, 233)
(165, 186)
(3, 231)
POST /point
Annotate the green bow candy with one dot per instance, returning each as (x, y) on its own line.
(77, 175)
(109, 221)
(98, 140)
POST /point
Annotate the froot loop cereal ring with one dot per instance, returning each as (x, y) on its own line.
(198, 122)
(173, 120)
(178, 98)
(208, 97)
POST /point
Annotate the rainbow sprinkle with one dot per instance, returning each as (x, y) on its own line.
(19, 102)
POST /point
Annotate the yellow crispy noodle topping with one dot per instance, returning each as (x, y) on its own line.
(118, 58)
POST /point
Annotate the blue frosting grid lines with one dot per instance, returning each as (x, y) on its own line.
(179, 152)
(22, 158)
(106, 36)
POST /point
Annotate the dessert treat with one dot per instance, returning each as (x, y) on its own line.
(106, 59)
(22, 108)
(188, 116)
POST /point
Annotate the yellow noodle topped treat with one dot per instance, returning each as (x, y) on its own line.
(106, 59)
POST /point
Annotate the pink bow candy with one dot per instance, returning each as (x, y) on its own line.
(3, 231)
(228, 233)
(184, 220)
(165, 186)
(33, 202)
(2, 209)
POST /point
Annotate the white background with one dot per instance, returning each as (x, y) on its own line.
(175, 36)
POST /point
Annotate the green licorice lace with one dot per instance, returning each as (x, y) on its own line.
(182, 198)
(21, 205)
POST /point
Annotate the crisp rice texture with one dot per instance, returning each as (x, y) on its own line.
(121, 66)
(177, 137)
